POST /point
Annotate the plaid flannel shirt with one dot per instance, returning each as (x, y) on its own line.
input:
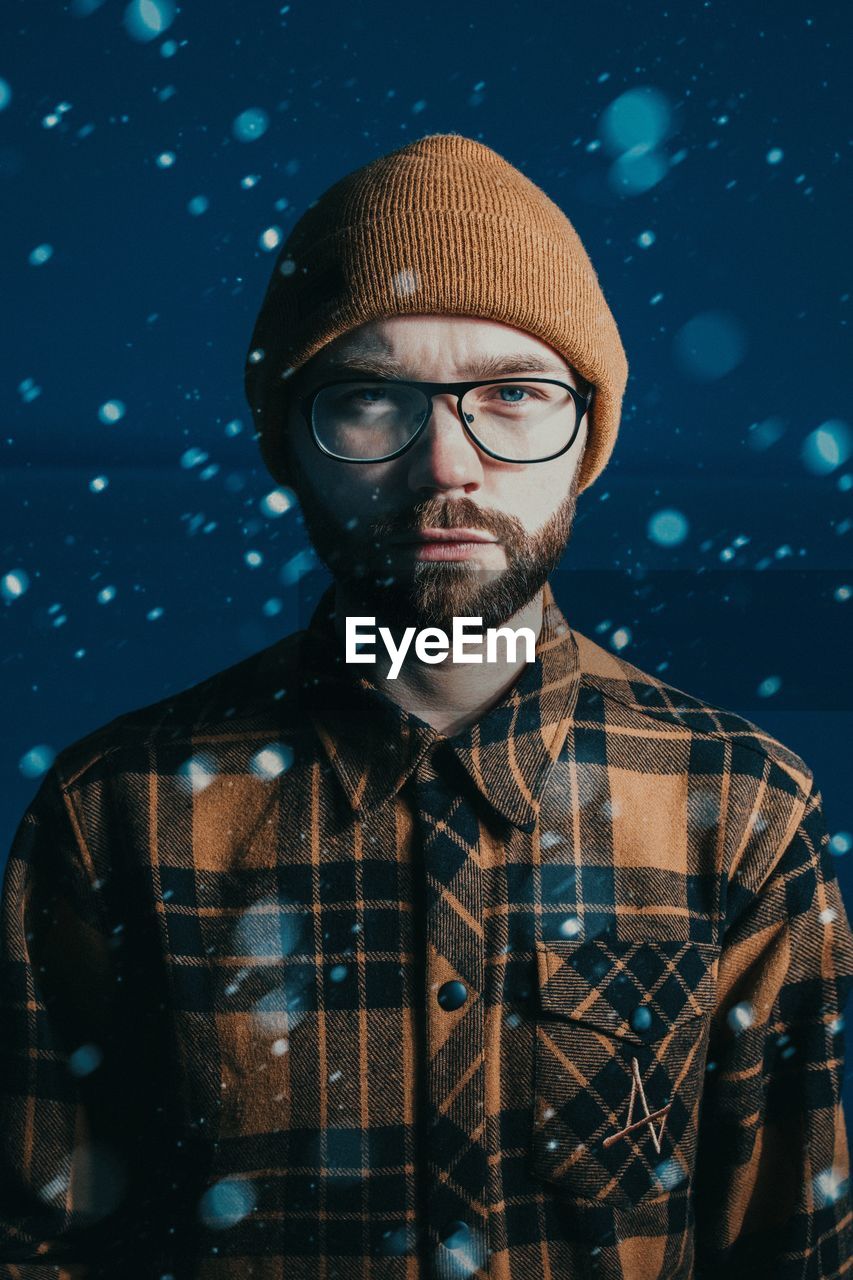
(293, 985)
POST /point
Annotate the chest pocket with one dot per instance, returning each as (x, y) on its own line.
(621, 1042)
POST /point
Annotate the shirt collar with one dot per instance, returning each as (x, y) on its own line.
(374, 745)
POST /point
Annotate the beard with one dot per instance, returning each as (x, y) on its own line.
(431, 593)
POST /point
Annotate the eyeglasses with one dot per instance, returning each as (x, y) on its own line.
(510, 419)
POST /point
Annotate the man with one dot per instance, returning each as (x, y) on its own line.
(490, 969)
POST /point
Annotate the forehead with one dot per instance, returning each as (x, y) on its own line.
(446, 346)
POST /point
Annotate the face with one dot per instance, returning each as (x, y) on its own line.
(370, 522)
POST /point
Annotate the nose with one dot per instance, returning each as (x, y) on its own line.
(445, 459)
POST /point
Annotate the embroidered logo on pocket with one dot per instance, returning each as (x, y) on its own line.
(649, 1117)
(620, 1052)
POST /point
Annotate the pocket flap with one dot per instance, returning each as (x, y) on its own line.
(635, 989)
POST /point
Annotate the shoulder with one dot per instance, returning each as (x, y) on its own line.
(637, 698)
(742, 792)
(253, 696)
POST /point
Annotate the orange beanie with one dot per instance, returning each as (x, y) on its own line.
(442, 226)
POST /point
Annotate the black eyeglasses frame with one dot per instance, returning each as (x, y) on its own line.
(431, 389)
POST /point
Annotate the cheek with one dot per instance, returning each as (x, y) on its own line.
(347, 489)
(343, 490)
(534, 501)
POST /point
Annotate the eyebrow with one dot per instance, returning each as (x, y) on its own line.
(488, 367)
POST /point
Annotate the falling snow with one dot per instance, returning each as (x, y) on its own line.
(250, 125)
(741, 1016)
(145, 20)
(148, 547)
(40, 255)
(270, 238)
(271, 761)
(14, 584)
(226, 1203)
(36, 761)
(111, 411)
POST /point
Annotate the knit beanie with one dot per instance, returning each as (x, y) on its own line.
(441, 226)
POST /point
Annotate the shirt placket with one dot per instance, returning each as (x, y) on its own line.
(454, 1123)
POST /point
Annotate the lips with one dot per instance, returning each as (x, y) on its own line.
(444, 535)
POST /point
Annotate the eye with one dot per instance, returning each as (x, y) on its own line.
(370, 394)
(512, 395)
(360, 397)
(515, 395)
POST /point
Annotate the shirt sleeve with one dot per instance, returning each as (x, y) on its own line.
(71, 1137)
(772, 1189)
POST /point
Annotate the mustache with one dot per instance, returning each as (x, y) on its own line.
(462, 513)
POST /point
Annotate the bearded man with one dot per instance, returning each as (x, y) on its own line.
(491, 968)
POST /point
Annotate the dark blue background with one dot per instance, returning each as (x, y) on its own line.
(144, 302)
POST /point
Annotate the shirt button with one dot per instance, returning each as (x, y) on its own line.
(455, 1235)
(452, 995)
(641, 1019)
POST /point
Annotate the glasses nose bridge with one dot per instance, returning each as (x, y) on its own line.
(440, 390)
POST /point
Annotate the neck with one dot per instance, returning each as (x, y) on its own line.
(447, 695)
